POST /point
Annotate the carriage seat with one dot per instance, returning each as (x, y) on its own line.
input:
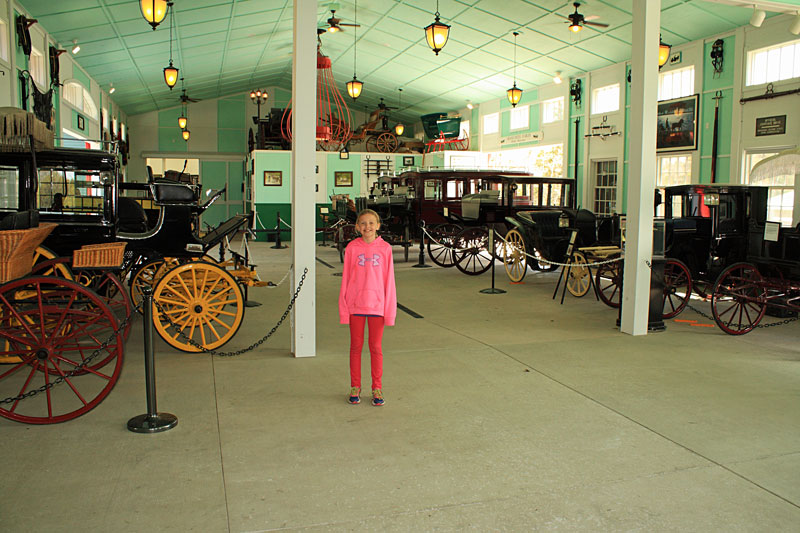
(545, 221)
(471, 203)
(132, 217)
(173, 193)
(20, 220)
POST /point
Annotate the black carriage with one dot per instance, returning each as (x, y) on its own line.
(457, 208)
(79, 190)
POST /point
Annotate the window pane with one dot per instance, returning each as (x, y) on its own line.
(490, 123)
(780, 62)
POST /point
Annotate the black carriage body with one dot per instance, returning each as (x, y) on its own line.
(72, 187)
(708, 226)
(468, 197)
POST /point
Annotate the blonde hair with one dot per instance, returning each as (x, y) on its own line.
(368, 212)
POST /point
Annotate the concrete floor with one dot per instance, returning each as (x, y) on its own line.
(503, 413)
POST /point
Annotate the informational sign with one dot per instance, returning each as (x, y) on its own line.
(771, 125)
(522, 138)
(771, 230)
(675, 58)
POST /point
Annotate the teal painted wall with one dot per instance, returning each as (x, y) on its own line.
(334, 165)
(231, 131)
(273, 162)
(169, 134)
(714, 83)
(79, 76)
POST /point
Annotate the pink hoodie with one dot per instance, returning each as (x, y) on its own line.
(368, 281)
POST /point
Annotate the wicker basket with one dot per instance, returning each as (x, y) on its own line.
(107, 255)
(16, 250)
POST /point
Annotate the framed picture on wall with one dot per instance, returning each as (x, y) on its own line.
(273, 178)
(677, 124)
(408, 160)
(343, 179)
(81, 123)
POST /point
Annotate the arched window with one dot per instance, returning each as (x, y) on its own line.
(79, 98)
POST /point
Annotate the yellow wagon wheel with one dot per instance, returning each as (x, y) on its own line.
(514, 258)
(148, 275)
(579, 277)
(203, 301)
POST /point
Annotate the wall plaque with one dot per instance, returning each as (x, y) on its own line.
(771, 125)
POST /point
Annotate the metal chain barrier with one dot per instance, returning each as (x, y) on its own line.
(78, 369)
(539, 259)
(179, 329)
(275, 285)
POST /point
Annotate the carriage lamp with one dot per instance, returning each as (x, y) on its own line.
(154, 11)
(663, 52)
(185, 134)
(437, 32)
(182, 120)
(563, 220)
(354, 87)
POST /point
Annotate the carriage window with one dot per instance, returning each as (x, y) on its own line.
(9, 188)
(455, 189)
(555, 195)
(433, 190)
(536, 191)
(74, 191)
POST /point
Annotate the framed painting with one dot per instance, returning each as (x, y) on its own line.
(273, 178)
(677, 124)
(408, 160)
(343, 179)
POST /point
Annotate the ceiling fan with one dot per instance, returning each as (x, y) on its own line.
(185, 97)
(335, 24)
(576, 20)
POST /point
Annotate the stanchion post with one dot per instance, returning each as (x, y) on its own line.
(278, 244)
(492, 289)
(152, 421)
(421, 263)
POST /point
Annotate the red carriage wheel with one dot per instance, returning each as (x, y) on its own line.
(441, 250)
(608, 281)
(738, 301)
(54, 325)
(386, 143)
(677, 288)
(472, 254)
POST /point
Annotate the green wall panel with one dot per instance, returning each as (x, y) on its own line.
(625, 178)
(231, 140)
(214, 174)
(282, 97)
(273, 161)
(170, 140)
(398, 160)
(83, 78)
(215, 214)
(230, 113)
(167, 118)
(343, 165)
(706, 132)
(723, 170)
(267, 218)
(235, 180)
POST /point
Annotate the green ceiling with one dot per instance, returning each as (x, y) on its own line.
(226, 47)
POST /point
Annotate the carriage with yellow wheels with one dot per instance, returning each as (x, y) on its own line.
(199, 300)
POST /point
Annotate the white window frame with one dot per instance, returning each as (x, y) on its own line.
(491, 124)
(80, 98)
(673, 169)
(603, 100)
(781, 196)
(773, 63)
(553, 110)
(4, 41)
(122, 131)
(676, 83)
(613, 189)
(36, 68)
(519, 118)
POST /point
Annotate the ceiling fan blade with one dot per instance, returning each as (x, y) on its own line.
(351, 25)
(598, 24)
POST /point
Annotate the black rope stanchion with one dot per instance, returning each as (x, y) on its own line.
(421, 263)
(152, 421)
(278, 244)
(492, 289)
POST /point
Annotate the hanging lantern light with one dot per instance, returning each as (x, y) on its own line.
(514, 93)
(663, 52)
(354, 86)
(437, 32)
(182, 121)
(154, 11)
(185, 134)
(333, 116)
(399, 128)
(170, 72)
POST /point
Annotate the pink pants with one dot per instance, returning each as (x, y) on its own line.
(375, 350)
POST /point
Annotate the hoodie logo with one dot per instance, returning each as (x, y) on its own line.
(362, 259)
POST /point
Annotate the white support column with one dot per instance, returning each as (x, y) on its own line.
(642, 174)
(304, 119)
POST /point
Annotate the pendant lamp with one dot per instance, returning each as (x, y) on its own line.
(437, 32)
(354, 86)
(514, 93)
(170, 72)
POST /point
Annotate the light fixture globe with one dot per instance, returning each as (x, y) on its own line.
(170, 75)
(514, 95)
(399, 129)
(182, 121)
(354, 88)
(437, 32)
(185, 134)
(575, 27)
(154, 11)
(663, 52)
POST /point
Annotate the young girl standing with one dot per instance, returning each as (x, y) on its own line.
(367, 295)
